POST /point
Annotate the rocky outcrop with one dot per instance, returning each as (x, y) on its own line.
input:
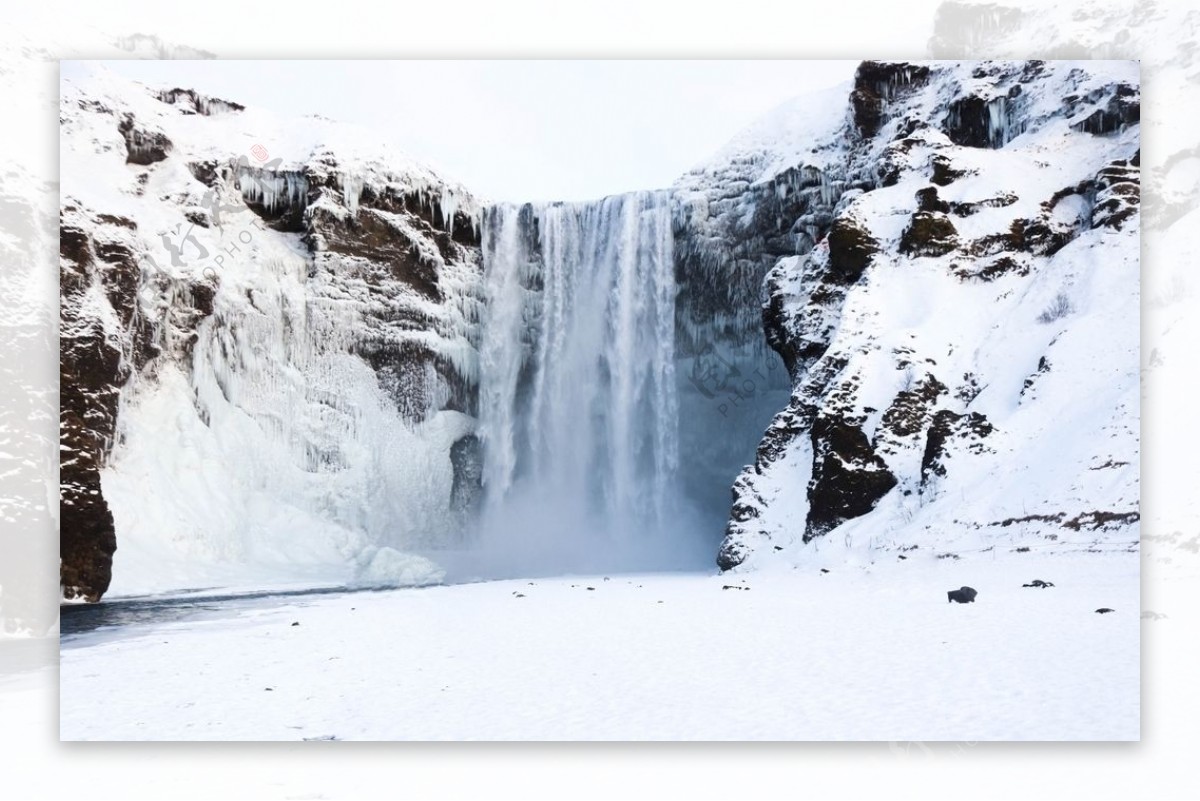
(92, 370)
(391, 239)
(143, 144)
(929, 233)
(848, 477)
(331, 306)
(1117, 194)
(849, 437)
(975, 121)
(105, 338)
(875, 84)
(946, 426)
(466, 454)
(189, 101)
(731, 231)
(1124, 108)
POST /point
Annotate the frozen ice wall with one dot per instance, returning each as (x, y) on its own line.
(277, 456)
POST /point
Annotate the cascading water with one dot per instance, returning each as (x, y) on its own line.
(579, 412)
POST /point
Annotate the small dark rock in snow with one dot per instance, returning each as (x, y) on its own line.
(779, 547)
(963, 595)
(268, 689)
(296, 623)
(591, 589)
(519, 595)
(824, 570)
(733, 587)
(902, 556)
(1104, 610)
(1039, 584)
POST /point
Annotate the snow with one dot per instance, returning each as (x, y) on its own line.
(267, 451)
(868, 652)
(276, 456)
(795, 132)
(1067, 444)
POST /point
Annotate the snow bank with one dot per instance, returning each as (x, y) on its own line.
(859, 653)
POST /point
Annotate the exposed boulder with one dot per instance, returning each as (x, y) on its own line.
(875, 84)
(850, 250)
(928, 200)
(977, 121)
(1122, 110)
(929, 233)
(911, 408)
(848, 479)
(963, 595)
(944, 173)
(144, 145)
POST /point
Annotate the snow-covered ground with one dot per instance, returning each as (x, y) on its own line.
(873, 651)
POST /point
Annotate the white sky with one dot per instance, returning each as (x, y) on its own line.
(521, 130)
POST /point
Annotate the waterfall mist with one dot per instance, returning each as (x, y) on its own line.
(579, 412)
(605, 445)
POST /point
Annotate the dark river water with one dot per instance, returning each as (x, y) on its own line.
(78, 619)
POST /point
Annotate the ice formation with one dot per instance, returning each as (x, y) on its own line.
(275, 190)
(359, 347)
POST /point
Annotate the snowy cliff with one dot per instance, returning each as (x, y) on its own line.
(269, 343)
(959, 319)
(289, 351)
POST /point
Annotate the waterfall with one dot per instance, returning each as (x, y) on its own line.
(578, 408)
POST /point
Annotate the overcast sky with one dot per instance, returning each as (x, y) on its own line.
(522, 130)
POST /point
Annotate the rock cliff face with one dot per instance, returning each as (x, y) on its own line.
(277, 342)
(948, 324)
(272, 334)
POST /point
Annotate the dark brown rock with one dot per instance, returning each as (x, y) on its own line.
(848, 477)
(946, 426)
(876, 83)
(944, 172)
(143, 146)
(851, 247)
(929, 233)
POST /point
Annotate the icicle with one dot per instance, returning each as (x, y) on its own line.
(352, 187)
(997, 122)
(282, 190)
(449, 204)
